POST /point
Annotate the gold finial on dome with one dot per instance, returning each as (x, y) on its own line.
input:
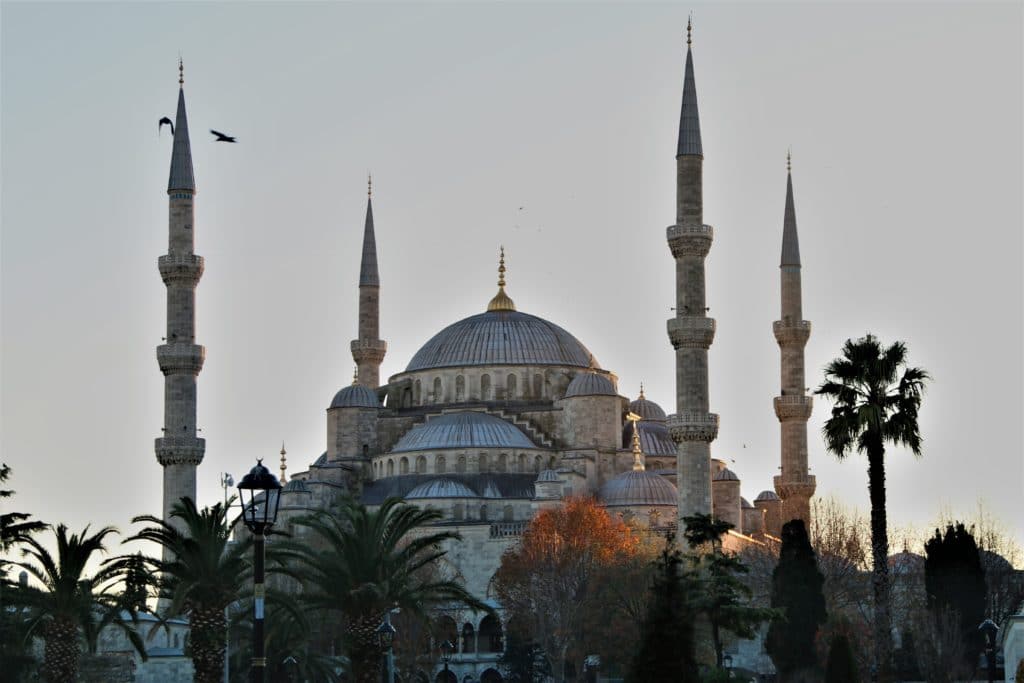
(638, 453)
(642, 397)
(501, 300)
(284, 464)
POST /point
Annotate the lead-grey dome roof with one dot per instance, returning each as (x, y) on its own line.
(548, 475)
(766, 495)
(441, 488)
(355, 396)
(638, 487)
(654, 438)
(463, 430)
(647, 409)
(725, 474)
(590, 384)
(745, 504)
(501, 338)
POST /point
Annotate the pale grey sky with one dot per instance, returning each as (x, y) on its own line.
(905, 125)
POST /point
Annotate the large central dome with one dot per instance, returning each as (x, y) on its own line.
(502, 337)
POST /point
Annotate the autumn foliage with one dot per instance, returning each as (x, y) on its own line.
(567, 584)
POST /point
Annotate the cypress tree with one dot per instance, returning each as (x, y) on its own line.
(797, 591)
(841, 666)
(955, 579)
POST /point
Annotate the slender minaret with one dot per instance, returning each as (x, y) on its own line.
(692, 427)
(368, 351)
(179, 450)
(793, 407)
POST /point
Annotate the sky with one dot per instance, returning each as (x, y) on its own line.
(904, 122)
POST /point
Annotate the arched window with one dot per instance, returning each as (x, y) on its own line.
(551, 463)
(491, 676)
(485, 387)
(502, 463)
(417, 392)
(445, 629)
(510, 387)
(484, 466)
(403, 465)
(460, 388)
(460, 464)
(522, 463)
(440, 464)
(483, 513)
(459, 511)
(407, 398)
(437, 390)
(538, 386)
(468, 638)
(421, 464)
(537, 464)
(391, 468)
(491, 639)
(509, 514)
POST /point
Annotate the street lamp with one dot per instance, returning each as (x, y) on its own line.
(989, 629)
(727, 662)
(446, 656)
(386, 638)
(260, 493)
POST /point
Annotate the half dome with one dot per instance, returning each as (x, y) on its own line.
(638, 487)
(501, 337)
(441, 488)
(463, 430)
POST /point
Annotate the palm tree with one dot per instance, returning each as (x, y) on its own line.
(72, 605)
(875, 404)
(202, 573)
(14, 526)
(371, 562)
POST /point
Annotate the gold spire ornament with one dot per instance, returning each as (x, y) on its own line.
(284, 464)
(355, 375)
(501, 300)
(642, 397)
(638, 453)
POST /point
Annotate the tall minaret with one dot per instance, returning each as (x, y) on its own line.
(368, 351)
(693, 428)
(179, 450)
(793, 407)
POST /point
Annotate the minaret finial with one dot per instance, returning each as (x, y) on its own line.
(284, 463)
(642, 391)
(181, 72)
(501, 300)
(638, 453)
(355, 375)
(369, 185)
(689, 30)
(789, 160)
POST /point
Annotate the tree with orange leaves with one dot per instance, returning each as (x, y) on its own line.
(549, 582)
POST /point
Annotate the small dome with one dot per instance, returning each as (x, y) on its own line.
(638, 487)
(463, 430)
(321, 461)
(441, 488)
(766, 496)
(745, 504)
(548, 475)
(590, 384)
(654, 438)
(725, 474)
(648, 410)
(296, 486)
(355, 396)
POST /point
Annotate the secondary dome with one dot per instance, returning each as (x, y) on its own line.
(766, 496)
(501, 337)
(725, 474)
(648, 410)
(638, 487)
(355, 396)
(654, 437)
(463, 430)
(441, 488)
(590, 384)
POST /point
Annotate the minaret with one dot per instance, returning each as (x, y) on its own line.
(793, 407)
(179, 450)
(368, 351)
(692, 427)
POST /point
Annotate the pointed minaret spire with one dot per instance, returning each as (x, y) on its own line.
(689, 119)
(284, 464)
(790, 243)
(368, 350)
(181, 177)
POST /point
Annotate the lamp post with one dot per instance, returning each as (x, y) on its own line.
(259, 514)
(386, 639)
(989, 629)
(446, 656)
(727, 661)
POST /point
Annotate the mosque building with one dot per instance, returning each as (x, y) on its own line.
(504, 414)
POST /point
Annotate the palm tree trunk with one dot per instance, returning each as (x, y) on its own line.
(206, 643)
(880, 556)
(364, 650)
(61, 651)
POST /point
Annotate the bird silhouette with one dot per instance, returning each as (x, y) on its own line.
(221, 137)
(160, 125)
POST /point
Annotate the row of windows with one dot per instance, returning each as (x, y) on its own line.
(435, 392)
(469, 513)
(438, 464)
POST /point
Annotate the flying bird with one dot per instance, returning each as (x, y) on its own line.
(221, 137)
(160, 125)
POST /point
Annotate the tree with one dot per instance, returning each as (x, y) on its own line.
(721, 596)
(874, 404)
(364, 562)
(841, 667)
(955, 581)
(669, 620)
(550, 580)
(202, 574)
(72, 605)
(14, 526)
(797, 592)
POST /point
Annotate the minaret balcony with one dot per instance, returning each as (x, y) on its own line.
(181, 268)
(691, 332)
(368, 350)
(180, 359)
(793, 407)
(690, 240)
(693, 425)
(798, 486)
(180, 450)
(791, 332)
